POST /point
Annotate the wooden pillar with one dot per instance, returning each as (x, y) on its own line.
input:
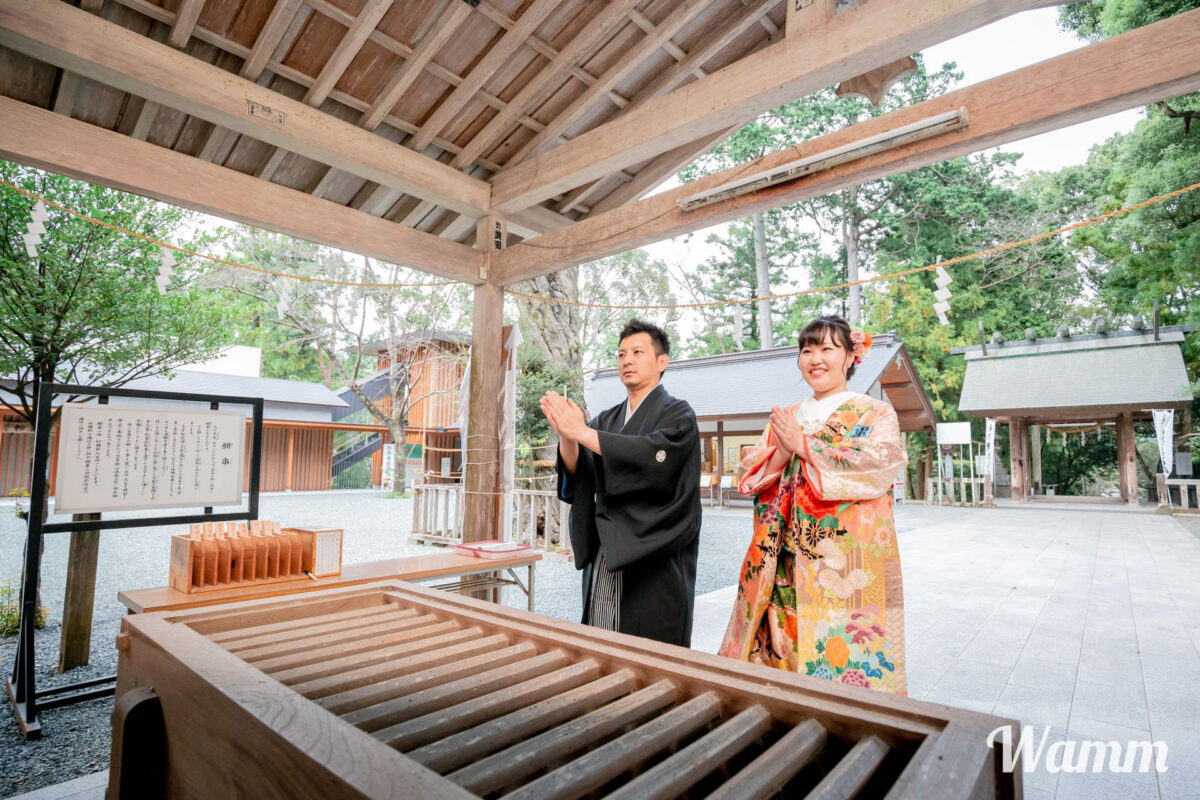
(1127, 458)
(481, 476)
(75, 644)
(1035, 445)
(1018, 447)
(720, 447)
(291, 460)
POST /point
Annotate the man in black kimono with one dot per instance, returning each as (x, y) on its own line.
(632, 479)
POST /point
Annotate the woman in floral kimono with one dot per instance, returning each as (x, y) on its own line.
(820, 591)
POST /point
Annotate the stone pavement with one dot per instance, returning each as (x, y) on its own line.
(1085, 620)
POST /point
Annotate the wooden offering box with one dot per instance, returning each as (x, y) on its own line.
(215, 556)
(392, 690)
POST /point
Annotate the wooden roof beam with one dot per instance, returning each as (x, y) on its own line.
(510, 42)
(335, 66)
(629, 61)
(689, 64)
(1126, 71)
(56, 33)
(46, 140)
(850, 44)
(547, 79)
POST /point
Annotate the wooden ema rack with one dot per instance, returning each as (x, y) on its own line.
(214, 556)
(393, 690)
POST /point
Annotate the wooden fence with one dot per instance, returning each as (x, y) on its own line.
(539, 518)
(957, 491)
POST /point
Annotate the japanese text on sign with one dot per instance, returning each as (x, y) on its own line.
(112, 458)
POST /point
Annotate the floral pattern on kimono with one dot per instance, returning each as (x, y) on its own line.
(820, 592)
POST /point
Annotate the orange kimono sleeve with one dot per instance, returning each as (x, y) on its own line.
(755, 479)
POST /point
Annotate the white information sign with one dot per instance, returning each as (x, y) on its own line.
(953, 433)
(121, 458)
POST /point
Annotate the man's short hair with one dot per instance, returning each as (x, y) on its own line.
(662, 343)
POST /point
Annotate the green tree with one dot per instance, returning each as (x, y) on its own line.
(286, 352)
(733, 273)
(86, 309)
(1099, 19)
(350, 325)
(536, 375)
(1149, 254)
(833, 236)
(583, 337)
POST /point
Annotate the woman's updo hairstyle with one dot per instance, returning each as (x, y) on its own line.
(838, 329)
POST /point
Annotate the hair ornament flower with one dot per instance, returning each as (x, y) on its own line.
(862, 343)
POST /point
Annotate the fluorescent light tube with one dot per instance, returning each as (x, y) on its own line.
(905, 134)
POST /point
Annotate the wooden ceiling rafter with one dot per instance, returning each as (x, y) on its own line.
(186, 17)
(278, 32)
(454, 15)
(404, 51)
(352, 42)
(688, 64)
(149, 111)
(497, 55)
(63, 101)
(542, 84)
(497, 16)
(643, 49)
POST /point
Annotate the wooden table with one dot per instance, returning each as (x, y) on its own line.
(473, 574)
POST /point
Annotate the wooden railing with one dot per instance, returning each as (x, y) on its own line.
(1176, 493)
(540, 519)
(957, 491)
(437, 512)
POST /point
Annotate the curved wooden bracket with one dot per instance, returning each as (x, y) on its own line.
(874, 85)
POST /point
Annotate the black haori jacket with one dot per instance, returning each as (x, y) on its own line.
(641, 499)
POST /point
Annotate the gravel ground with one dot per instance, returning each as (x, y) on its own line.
(76, 739)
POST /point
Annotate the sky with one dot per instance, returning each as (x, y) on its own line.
(981, 54)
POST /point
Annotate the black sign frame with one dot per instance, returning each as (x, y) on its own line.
(22, 688)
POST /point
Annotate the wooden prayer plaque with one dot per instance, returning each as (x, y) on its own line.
(215, 556)
(394, 690)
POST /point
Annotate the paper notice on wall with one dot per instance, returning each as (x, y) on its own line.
(114, 458)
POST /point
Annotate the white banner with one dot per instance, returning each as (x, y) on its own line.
(117, 458)
(1164, 430)
(989, 453)
(387, 477)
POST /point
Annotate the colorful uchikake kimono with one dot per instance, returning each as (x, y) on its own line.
(820, 591)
